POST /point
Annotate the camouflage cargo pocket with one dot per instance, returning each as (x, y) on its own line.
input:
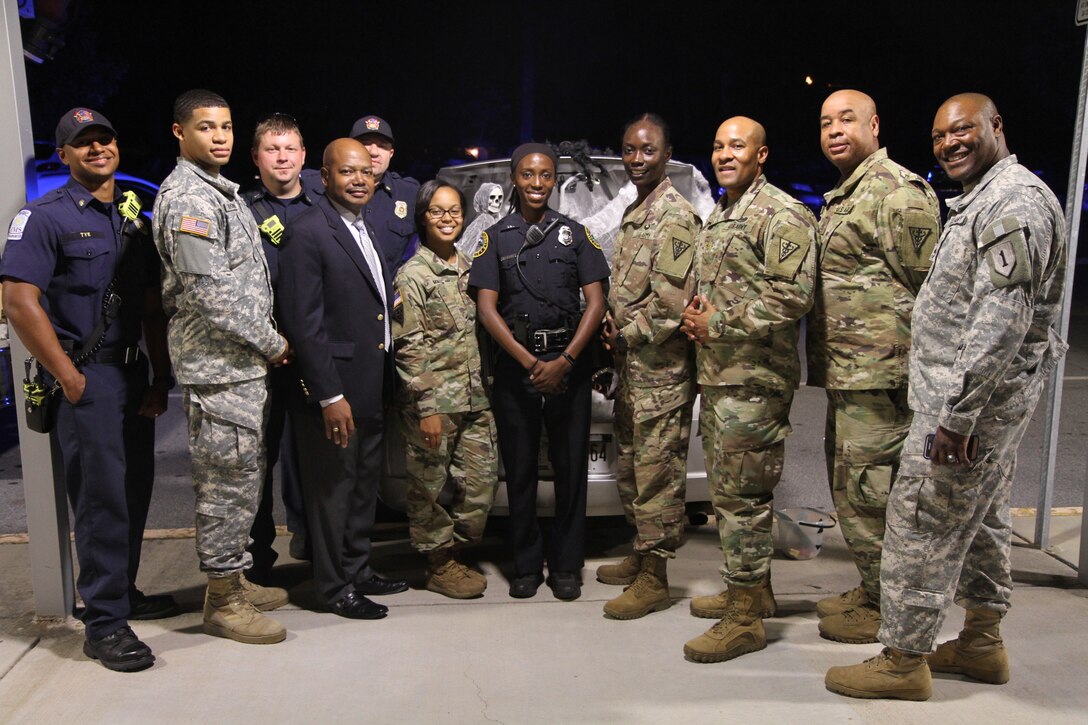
(870, 464)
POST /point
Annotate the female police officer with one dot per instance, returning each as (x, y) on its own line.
(527, 272)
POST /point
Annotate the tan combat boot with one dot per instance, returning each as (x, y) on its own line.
(857, 625)
(715, 605)
(648, 593)
(228, 613)
(891, 674)
(264, 598)
(450, 578)
(621, 574)
(739, 632)
(856, 597)
(978, 653)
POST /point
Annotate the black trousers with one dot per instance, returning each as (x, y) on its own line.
(107, 450)
(340, 490)
(279, 446)
(519, 412)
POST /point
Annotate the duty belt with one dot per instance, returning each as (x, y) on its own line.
(108, 355)
(542, 341)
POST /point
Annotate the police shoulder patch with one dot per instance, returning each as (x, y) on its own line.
(1005, 245)
(589, 236)
(18, 225)
(482, 245)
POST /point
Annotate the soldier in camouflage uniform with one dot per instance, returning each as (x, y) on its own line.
(877, 232)
(651, 283)
(984, 345)
(447, 421)
(217, 295)
(755, 263)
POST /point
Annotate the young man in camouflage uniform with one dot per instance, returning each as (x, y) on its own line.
(984, 344)
(446, 417)
(651, 283)
(877, 232)
(218, 297)
(755, 267)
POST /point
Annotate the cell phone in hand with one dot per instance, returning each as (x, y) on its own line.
(972, 447)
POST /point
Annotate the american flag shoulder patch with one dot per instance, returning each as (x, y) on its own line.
(192, 225)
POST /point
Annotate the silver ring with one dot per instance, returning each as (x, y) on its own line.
(950, 458)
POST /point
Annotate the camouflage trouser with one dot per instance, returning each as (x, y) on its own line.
(470, 455)
(949, 534)
(651, 467)
(227, 449)
(862, 440)
(744, 430)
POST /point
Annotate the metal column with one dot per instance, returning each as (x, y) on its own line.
(46, 502)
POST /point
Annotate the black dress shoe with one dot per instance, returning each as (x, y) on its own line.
(377, 585)
(355, 606)
(121, 651)
(523, 587)
(566, 585)
(157, 606)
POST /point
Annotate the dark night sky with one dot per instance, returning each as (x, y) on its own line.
(448, 75)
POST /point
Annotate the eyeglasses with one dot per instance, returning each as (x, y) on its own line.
(435, 213)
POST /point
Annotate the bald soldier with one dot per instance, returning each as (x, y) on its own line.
(755, 263)
(984, 344)
(877, 233)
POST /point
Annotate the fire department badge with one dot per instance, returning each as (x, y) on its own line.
(401, 209)
(566, 237)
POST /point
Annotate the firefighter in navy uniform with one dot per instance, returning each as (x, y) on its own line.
(279, 153)
(66, 254)
(391, 211)
(526, 274)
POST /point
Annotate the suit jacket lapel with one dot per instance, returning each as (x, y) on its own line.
(345, 239)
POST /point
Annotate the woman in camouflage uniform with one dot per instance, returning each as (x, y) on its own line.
(446, 417)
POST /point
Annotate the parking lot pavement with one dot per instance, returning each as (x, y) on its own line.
(540, 660)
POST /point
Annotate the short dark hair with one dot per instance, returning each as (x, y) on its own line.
(189, 101)
(276, 124)
(423, 200)
(654, 119)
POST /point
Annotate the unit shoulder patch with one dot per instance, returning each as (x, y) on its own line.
(787, 247)
(1007, 255)
(676, 254)
(589, 236)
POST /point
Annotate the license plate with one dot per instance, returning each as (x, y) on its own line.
(602, 454)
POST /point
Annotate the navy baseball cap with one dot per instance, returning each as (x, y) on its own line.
(372, 124)
(77, 119)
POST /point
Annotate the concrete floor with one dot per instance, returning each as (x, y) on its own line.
(497, 659)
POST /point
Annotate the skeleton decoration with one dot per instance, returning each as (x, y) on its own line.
(487, 203)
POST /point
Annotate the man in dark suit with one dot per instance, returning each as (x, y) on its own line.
(334, 298)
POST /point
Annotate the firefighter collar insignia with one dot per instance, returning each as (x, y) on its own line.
(566, 236)
(401, 209)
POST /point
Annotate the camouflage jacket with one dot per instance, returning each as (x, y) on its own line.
(983, 324)
(434, 329)
(877, 234)
(651, 285)
(756, 262)
(216, 289)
